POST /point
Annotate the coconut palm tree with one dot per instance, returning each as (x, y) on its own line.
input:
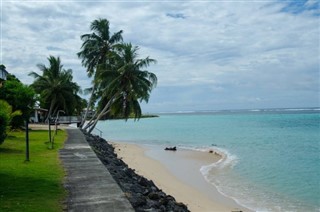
(55, 85)
(95, 49)
(124, 83)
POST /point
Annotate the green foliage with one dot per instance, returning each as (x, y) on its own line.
(94, 52)
(56, 88)
(4, 121)
(119, 83)
(131, 116)
(125, 78)
(97, 45)
(35, 185)
(20, 97)
(78, 105)
(6, 116)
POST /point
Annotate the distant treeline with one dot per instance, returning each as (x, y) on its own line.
(130, 117)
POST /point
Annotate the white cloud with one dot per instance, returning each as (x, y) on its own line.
(226, 49)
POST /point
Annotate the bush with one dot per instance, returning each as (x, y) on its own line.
(6, 116)
(20, 97)
(4, 120)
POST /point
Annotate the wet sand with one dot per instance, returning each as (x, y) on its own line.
(178, 174)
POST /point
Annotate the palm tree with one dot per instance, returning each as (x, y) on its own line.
(55, 85)
(124, 84)
(95, 49)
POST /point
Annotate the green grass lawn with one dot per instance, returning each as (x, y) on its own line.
(35, 185)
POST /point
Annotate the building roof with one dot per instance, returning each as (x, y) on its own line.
(3, 72)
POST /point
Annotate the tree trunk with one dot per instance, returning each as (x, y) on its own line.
(50, 111)
(93, 124)
(88, 106)
(90, 121)
(103, 112)
(55, 111)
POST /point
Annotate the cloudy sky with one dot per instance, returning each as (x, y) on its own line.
(211, 54)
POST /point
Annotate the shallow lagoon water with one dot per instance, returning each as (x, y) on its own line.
(273, 155)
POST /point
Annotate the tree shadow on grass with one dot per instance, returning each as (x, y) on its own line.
(10, 151)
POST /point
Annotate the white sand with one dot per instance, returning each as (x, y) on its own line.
(177, 174)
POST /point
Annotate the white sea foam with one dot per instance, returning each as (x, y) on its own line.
(293, 109)
(221, 167)
(272, 172)
(186, 111)
(243, 192)
(255, 110)
(227, 160)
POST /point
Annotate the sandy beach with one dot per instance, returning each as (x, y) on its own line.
(177, 174)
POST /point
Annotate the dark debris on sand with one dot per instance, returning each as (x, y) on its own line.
(142, 193)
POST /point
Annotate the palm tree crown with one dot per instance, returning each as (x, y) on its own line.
(95, 49)
(127, 80)
(55, 85)
(96, 45)
(120, 82)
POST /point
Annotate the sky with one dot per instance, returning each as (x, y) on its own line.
(211, 55)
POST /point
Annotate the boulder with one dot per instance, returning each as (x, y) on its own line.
(171, 148)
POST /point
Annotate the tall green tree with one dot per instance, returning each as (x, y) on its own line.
(21, 97)
(94, 52)
(124, 83)
(55, 86)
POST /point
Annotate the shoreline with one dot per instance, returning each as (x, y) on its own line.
(178, 174)
(142, 193)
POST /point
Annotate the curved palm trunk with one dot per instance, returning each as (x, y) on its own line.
(50, 110)
(90, 122)
(55, 111)
(102, 113)
(88, 106)
(94, 123)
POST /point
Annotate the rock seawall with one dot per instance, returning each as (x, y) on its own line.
(142, 193)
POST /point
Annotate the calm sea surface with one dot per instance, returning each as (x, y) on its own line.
(273, 156)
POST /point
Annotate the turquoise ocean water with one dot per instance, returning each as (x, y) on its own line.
(273, 156)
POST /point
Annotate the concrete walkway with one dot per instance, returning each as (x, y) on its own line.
(89, 184)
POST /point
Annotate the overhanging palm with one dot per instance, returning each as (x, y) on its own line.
(95, 48)
(124, 83)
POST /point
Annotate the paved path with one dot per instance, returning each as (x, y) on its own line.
(90, 185)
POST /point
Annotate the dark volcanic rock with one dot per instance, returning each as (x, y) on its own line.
(171, 148)
(142, 193)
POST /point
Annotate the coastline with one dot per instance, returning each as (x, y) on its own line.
(178, 174)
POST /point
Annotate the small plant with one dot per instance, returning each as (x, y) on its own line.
(6, 116)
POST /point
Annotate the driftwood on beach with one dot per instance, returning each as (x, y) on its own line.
(171, 148)
(142, 193)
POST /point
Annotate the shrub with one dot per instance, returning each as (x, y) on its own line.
(6, 116)
(4, 119)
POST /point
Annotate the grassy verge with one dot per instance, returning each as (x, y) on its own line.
(35, 185)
